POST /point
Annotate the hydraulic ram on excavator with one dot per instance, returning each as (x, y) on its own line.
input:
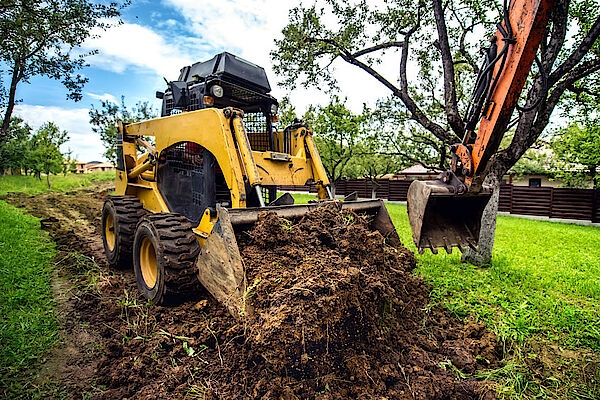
(447, 212)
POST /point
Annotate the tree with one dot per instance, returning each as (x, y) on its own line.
(14, 150)
(45, 150)
(69, 163)
(38, 38)
(286, 113)
(577, 148)
(105, 122)
(317, 36)
(372, 164)
(337, 133)
(395, 135)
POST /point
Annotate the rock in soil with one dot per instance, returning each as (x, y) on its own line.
(333, 313)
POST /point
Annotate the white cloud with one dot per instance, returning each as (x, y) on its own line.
(133, 45)
(85, 144)
(248, 28)
(105, 97)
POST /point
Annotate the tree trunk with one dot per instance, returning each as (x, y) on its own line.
(48, 178)
(11, 102)
(483, 254)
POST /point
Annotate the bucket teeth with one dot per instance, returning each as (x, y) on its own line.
(441, 218)
(472, 243)
(447, 246)
(432, 247)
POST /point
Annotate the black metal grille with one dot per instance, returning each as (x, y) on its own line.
(185, 158)
(186, 179)
(194, 101)
(244, 95)
(256, 129)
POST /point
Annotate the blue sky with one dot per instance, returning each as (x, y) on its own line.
(156, 39)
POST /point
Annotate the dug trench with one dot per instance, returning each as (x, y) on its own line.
(337, 313)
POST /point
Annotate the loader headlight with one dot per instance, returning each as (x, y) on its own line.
(273, 109)
(217, 91)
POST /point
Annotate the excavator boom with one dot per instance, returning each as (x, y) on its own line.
(447, 212)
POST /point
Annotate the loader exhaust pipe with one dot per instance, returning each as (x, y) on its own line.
(441, 217)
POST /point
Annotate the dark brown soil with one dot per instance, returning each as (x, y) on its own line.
(336, 314)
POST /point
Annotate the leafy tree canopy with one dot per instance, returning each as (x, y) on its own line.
(41, 38)
(45, 155)
(105, 122)
(437, 44)
(337, 133)
(577, 148)
(14, 150)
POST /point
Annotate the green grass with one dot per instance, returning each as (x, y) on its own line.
(60, 183)
(543, 286)
(543, 281)
(27, 324)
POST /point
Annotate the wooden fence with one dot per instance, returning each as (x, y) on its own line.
(565, 203)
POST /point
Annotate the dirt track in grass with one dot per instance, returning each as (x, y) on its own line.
(337, 314)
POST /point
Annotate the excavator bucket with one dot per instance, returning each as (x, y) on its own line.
(220, 266)
(441, 218)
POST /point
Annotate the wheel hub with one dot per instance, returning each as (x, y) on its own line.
(109, 231)
(148, 262)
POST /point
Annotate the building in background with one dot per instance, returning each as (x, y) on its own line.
(93, 166)
(414, 172)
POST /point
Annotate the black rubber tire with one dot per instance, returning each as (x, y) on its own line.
(126, 212)
(176, 249)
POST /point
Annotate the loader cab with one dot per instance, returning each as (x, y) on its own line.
(224, 81)
(227, 80)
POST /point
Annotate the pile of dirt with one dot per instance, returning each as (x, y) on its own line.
(336, 313)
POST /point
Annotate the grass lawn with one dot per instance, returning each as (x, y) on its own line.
(543, 286)
(27, 324)
(60, 183)
(543, 280)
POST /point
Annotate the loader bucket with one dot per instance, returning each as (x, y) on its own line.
(220, 266)
(440, 218)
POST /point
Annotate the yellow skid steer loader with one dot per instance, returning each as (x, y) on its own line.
(215, 164)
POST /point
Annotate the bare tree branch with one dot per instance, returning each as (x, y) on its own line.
(451, 106)
(377, 47)
(560, 15)
(417, 114)
(575, 57)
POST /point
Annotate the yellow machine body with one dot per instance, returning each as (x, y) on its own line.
(222, 133)
(212, 130)
(188, 181)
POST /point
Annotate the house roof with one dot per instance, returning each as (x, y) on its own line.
(100, 165)
(416, 169)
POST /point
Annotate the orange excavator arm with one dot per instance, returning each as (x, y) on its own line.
(447, 212)
(519, 36)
